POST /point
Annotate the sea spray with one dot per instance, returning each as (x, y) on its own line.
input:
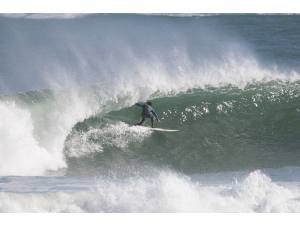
(20, 152)
(229, 83)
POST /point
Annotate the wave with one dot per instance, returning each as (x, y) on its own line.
(196, 104)
(203, 79)
(220, 129)
(34, 128)
(164, 192)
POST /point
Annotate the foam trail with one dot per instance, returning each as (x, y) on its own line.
(118, 135)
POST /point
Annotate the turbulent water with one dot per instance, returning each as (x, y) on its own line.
(229, 83)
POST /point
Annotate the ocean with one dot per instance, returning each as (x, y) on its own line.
(229, 82)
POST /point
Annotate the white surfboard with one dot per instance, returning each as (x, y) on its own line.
(163, 130)
(158, 129)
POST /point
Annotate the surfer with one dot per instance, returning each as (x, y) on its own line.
(148, 112)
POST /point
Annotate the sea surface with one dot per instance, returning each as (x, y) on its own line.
(229, 83)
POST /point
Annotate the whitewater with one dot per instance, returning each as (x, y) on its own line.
(229, 83)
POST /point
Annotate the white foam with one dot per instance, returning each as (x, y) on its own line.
(118, 135)
(165, 192)
(20, 153)
(33, 136)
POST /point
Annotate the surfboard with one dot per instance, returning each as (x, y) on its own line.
(158, 129)
(163, 130)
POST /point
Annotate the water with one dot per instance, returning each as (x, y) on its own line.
(229, 83)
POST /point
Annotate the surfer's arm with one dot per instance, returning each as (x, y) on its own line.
(154, 114)
(140, 104)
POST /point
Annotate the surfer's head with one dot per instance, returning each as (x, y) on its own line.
(149, 103)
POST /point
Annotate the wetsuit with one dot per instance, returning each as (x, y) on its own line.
(148, 112)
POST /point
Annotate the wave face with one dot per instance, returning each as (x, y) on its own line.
(229, 83)
(220, 129)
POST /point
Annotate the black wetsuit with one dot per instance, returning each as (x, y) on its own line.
(148, 112)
